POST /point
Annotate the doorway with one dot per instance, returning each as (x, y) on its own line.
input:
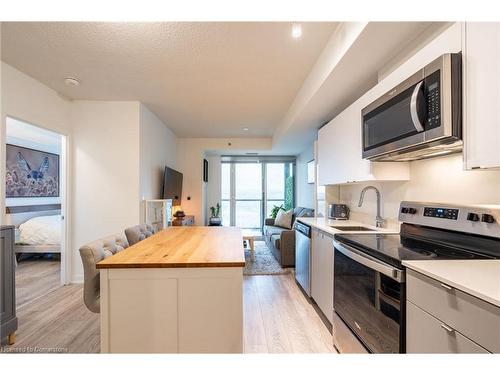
(250, 188)
(36, 204)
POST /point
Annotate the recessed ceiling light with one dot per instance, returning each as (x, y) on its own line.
(245, 129)
(71, 81)
(296, 30)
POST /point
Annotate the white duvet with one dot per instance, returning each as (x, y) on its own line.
(42, 230)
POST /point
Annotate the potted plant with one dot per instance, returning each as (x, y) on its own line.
(215, 219)
(274, 211)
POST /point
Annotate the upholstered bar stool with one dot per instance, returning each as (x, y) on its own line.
(138, 232)
(91, 254)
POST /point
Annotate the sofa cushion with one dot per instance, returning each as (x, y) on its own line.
(302, 212)
(297, 211)
(284, 219)
(271, 230)
(307, 212)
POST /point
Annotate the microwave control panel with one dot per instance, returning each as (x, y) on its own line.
(433, 100)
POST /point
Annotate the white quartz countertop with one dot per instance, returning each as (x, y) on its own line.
(325, 225)
(479, 278)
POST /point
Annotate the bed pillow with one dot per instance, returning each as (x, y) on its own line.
(284, 219)
(41, 230)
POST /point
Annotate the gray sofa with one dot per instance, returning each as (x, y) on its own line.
(281, 241)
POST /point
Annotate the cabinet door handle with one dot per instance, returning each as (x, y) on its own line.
(447, 287)
(447, 329)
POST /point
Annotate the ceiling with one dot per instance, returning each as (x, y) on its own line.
(380, 47)
(207, 79)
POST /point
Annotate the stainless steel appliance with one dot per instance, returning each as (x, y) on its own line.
(419, 118)
(303, 256)
(369, 278)
(338, 212)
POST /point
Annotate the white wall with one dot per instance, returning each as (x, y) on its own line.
(105, 171)
(304, 191)
(441, 180)
(190, 154)
(110, 143)
(28, 100)
(157, 148)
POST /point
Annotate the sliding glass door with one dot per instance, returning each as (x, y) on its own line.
(248, 195)
(250, 189)
(226, 189)
(275, 186)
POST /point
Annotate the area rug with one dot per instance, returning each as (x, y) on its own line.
(263, 263)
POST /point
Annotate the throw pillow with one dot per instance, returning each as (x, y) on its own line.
(284, 219)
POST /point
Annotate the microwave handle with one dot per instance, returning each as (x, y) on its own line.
(413, 108)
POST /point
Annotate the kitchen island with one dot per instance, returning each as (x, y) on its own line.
(179, 291)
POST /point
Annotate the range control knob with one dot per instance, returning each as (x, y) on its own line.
(472, 216)
(408, 210)
(487, 218)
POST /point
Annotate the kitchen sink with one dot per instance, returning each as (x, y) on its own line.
(352, 228)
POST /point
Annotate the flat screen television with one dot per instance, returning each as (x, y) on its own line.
(172, 186)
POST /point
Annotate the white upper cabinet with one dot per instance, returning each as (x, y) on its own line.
(339, 150)
(481, 78)
(339, 153)
(340, 141)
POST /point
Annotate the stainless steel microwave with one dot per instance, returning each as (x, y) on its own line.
(419, 118)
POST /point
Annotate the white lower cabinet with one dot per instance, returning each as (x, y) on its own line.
(322, 272)
(426, 334)
(443, 319)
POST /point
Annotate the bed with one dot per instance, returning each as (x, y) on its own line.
(41, 234)
(38, 228)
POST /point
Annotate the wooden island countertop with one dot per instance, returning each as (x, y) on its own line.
(183, 247)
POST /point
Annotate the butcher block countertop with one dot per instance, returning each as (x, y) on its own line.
(183, 247)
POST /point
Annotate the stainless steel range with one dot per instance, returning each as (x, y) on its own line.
(369, 279)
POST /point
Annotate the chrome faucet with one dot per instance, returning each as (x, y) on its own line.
(379, 222)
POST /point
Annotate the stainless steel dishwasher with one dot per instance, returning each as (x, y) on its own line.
(303, 256)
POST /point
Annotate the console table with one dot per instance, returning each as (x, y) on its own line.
(187, 220)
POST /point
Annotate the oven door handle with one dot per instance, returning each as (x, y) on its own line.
(370, 262)
(413, 108)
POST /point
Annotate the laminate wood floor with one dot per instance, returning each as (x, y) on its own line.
(53, 318)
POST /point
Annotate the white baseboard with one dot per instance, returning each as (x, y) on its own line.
(77, 279)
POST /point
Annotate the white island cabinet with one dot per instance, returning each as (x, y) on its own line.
(178, 291)
(481, 78)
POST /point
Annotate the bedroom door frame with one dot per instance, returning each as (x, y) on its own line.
(64, 191)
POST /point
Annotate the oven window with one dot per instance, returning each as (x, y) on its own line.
(370, 304)
(391, 121)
